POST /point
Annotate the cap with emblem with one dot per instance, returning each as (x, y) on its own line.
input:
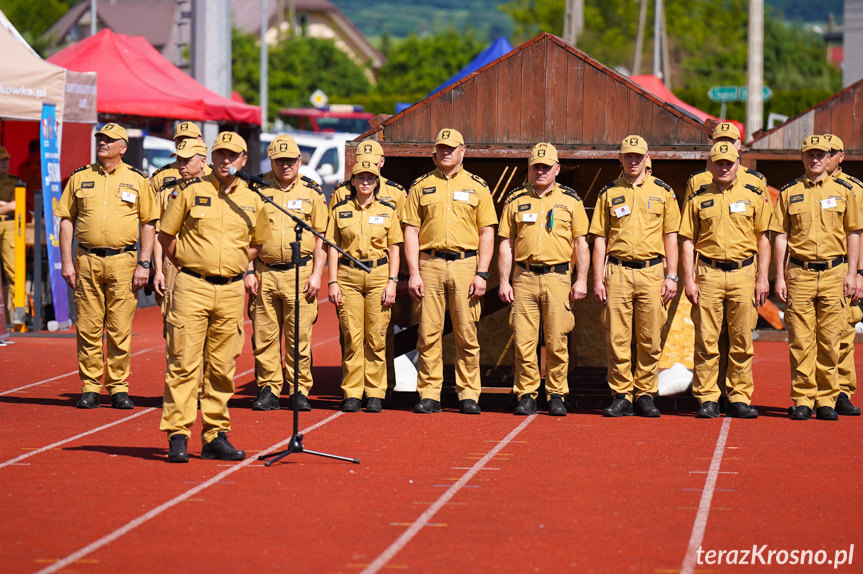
(230, 141)
(815, 142)
(4, 154)
(834, 142)
(726, 130)
(450, 137)
(370, 148)
(543, 153)
(723, 151)
(114, 131)
(365, 166)
(283, 146)
(187, 130)
(189, 148)
(633, 144)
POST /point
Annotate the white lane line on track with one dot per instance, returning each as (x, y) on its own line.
(700, 525)
(95, 430)
(133, 524)
(425, 517)
(72, 438)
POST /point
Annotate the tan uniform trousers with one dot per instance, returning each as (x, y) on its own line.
(104, 302)
(7, 254)
(363, 321)
(847, 369)
(170, 273)
(446, 284)
(724, 297)
(272, 316)
(815, 320)
(203, 317)
(633, 294)
(541, 300)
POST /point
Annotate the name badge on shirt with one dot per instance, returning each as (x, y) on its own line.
(738, 207)
(828, 203)
(528, 217)
(461, 196)
(622, 211)
(376, 220)
(131, 197)
(295, 204)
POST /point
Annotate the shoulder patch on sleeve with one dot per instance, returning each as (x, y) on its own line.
(753, 189)
(82, 168)
(844, 183)
(701, 189)
(388, 204)
(189, 182)
(515, 193)
(342, 202)
(757, 174)
(606, 188)
(479, 179)
(789, 184)
(662, 184)
(570, 192)
(395, 184)
(312, 183)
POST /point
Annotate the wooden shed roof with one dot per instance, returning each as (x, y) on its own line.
(545, 90)
(840, 114)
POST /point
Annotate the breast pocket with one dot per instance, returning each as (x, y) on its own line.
(348, 227)
(801, 218)
(835, 216)
(430, 205)
(127, 200)
(562, 223)
(86, 200)
(709, 218)
(467, 209)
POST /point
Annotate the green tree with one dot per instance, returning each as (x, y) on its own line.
(32, 18)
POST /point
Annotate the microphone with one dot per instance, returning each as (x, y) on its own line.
(248, 177)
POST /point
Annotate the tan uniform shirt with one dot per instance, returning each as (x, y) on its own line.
(635, 218)
(542, 228)
(856, 184)
(449, 212)
(724, 225)
(162, 179)
(816, 217)
(701, 178)
(215, 229)
(364, 233)
(304, 199)
(106, 207)
(8, 183)
(389, 191)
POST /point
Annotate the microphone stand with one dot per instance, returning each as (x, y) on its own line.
(296, 443)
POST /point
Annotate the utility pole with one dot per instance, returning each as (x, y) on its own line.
(211, 51)
(666, 61)
(657, 40)
(573, 21)
(639, 39)
(92, 17)
(265, 70)
(755, 69)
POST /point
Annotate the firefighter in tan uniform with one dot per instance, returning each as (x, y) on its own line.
(367, 228)
(724, 226)
(102, 205)
(449, 241)
(164, 183)
(544, 224)
(8, 183)
(817, 225)
(272, 283)
(635, 225)
(211, 231)
(847, 370)
(725, 132)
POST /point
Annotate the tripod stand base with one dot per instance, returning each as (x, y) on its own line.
(296, 445)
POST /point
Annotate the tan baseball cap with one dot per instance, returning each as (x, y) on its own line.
(187, 130)
(114, 131)
(370, 148)
(365, 166)
(4, 153)
(283, 147)
(633, 144)
(726, 130)
(231, 141)
(834, 142)
(815, 142)
(723, 151)
(649, 164)
(450, 137)
(543, 153)
(189, 148)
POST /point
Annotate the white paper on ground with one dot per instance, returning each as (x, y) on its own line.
(674, 380)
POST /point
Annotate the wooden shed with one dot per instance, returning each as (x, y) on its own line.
(776, 153)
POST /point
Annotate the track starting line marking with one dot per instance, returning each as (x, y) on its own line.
(425, 518)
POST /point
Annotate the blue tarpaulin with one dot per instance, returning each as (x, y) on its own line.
(496, 49)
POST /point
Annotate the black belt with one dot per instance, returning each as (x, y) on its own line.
(288, 266)
(543, 269)
(819, 265)
(6, 217)
(369, 264)
(107, 251)
(449, 255)
(214, 279)
(727, 265)
(635, 264)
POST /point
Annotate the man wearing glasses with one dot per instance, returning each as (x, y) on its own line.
(544, 228)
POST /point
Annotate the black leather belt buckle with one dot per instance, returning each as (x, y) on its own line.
(370, 264)
(451, 255)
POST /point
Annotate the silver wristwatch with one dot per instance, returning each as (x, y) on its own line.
(674, 278)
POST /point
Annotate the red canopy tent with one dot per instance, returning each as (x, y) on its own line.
(656, 87)
(135, 79)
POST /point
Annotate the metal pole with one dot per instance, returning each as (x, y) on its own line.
(666, 61)
(657, 40)
(265, 70)
(755, 69)
(38, 230)
(573, 21)
(639, 39)
(92, 17)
